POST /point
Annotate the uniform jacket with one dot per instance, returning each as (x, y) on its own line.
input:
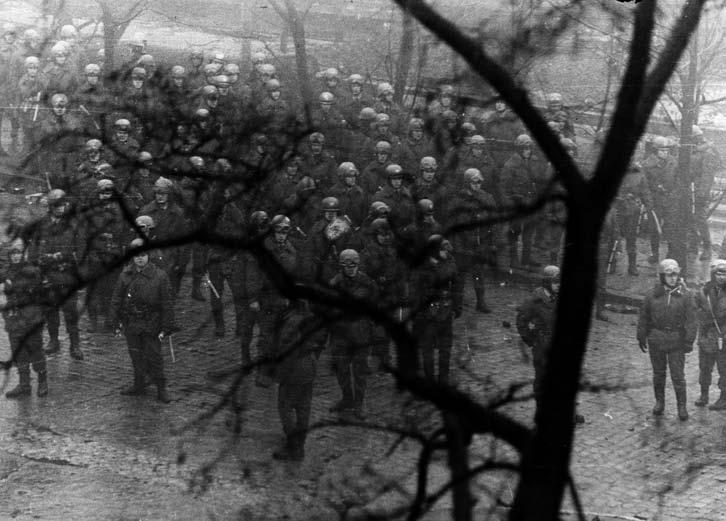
(435, 291)
(667, 319)
(258, 285)
(467, 207)
(710, 307)
(354, 330)
(56, 245)
(22, 312)
(536, 319)
(296, 348)
(142, 301)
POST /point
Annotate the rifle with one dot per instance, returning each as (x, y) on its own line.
(85, 111)
(171, 349)
(640, 219)
(612, 255)
(715, 323)
(208, 282)
(657, 223)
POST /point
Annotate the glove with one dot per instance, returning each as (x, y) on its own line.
(643, 346)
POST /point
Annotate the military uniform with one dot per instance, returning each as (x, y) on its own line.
(711, 311)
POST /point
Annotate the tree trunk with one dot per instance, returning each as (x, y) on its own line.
(545, 463)
(682, 220)
(459, 467)
(405, 56)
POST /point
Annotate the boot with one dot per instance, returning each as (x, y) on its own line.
(23, 387)
(720, 404)
(681, 403)
(513, 257)
(653, 259)
(218, 323)
(137, 388)
(161, 393)
(341, 405)
(42, 390)
(481, 306)
(75, 339)
(632, 264)
(92, 322)
(197, 289)
(53, 346)
(76, 353)
(600, 312)
(659, 401)
(703, 399)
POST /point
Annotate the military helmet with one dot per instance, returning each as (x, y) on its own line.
(272, 85)
(446, 90)
(347, 169)
(367, 114)
(383, 147)
(138, 73)
(330, 204)
(93, 145)
(210, 91)
(144, 221)
(438, 242)
(59, 49)
(56, 197)
(425, 206)
(163, 185)
(259, 220)
(231, 69)
(330, 73)
(317, 137)
(522, 141)
(468, 128)
(718, 266)
(146, 60)
(145, 157)
(428, 163)
(202, 114)
(281, 223)
(661, 142)
(138, 243)
(258, 57)
(32, 60)
(449, 115)
(478, 140)
(178, 71)
(394, 171)
(196, 162)
(221, 80)
(550, 274)
(355, 79)
(122, 125)
(349, 258)
(379, 208)
(104, 185)
(383, 119)
(68, 31)
(267, 69)
(473, 174)
(305, 184)
(326, 97)
(59, 100)
(667, 266)
(196, 54)
(210, 70)
(384, 88)
(380, 225)
(92, 69)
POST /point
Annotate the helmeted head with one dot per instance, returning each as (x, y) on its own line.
(718, 272)
(330, 207)
(93, 149)
(415, 129)
(57, 202)
(210, 93)
(141, 258)
(661, 146)
(554, 101)
(178, 75)
(281, 226)
(162, 189)
(428, 167)
(477, 144)
(349, 260)
(366, 116)
(383, 151)
(326, 100)
(145, 223)
(385, 91)
(59, 52)
(381, 231)
(551, 278)
(267, 71)
(467, 131)
(273, 89)
(668, 272)
(348, 173)
(16, 250)
(231, 70)
(523, 143)
(316, 140)
(32, 65)
(92, 71)
(258, 58)
(331, 77)
(31, 38)
(379, 209)
(196, 57)
(355, 82)
(68, 33)
(382, 123)
(104, 187)
(305, 186)
(59, 102)
(259, 223)
(438, 247)
(473, 178)
(145, 159)
(210, 71)
(425, 209)
(197, 164)
(122, 127)
(446, 95)
(394, 174)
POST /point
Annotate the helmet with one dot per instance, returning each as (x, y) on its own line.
(380, 225)
(317, 137)
(218, 56)
(272, 85)
(16, 246)
(258, 58)
(383, 119)
(177, 71)
(349, 258)
(305, 184)
(330, 74)
(415, 124)
(222, 165)
(718, 266)
(383, 147)
(568, 144)
(347, 169)
(384, 88)
(449, 115)
(394, 172)
(104, 185)
(425, 206)
(230, 69)
(201, 114)
(478, 140)
(138, 73)
(196, 162)
(163, 185)
(259, 219)
(31, 34)
(59, 100)
(209, 91)
(59, 49)
(210, 69)
(32, 60)
(446, 90)
(428, 163)
(68, 31)
(437, 242)
(367, 113)
(326, 97)
(221, 80)
(355, 79)
(330, 204)
(56, 196)
(196, 54)
(93, 145)
(472, 174)
(122, 125)
(281, 223)
(92, 69)
(146, 60)
(660, 142)
(139, 40)
(696, 131)
(104, 170)
(667, 266)
(550, 274)
(268, 69)
(523, 140)
(145, 157)
(468, 128)
(379, 208)
(554, 97)
(258, 139)
(138, 242)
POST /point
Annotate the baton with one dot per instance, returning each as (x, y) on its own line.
(85, 111)
(612, 254)
(37, 105)
(657, 223)
(211, 286)
(302, 233)
(171, 350)
(47, 180)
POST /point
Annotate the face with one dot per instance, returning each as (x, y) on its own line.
(356, 89)
(720, 277)
(332, 83)
(275, 95)
(59, 210)
(384, 237)
(416, 135)
(145, 229)
(662, 153)
(477, 151)
(445, 101)
(94, 156)
(141, 260)
(233, 78)
(329, 215)
(326, 106)
(444, 253)
(350, 269)
(316, 148)
(291, 170)
(179, 82)
(556, 287)
(382, 157)
(382, 128)
(122, 135)
(280, 235)
(161, 197)
(500, 106)
(92, 79)
(59, 110)
(396, 182)
(32, 70)
(475, 184)
(105, 195)
(212, 101)
(428, 174)
(526, 152)
(223, 90)
(16, 256)
(349, 180)
(388, 97)
(9, 37)
(137, 83)
(59, 59)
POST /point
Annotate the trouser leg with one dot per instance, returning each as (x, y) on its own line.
(444, 342)
(706, 361)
